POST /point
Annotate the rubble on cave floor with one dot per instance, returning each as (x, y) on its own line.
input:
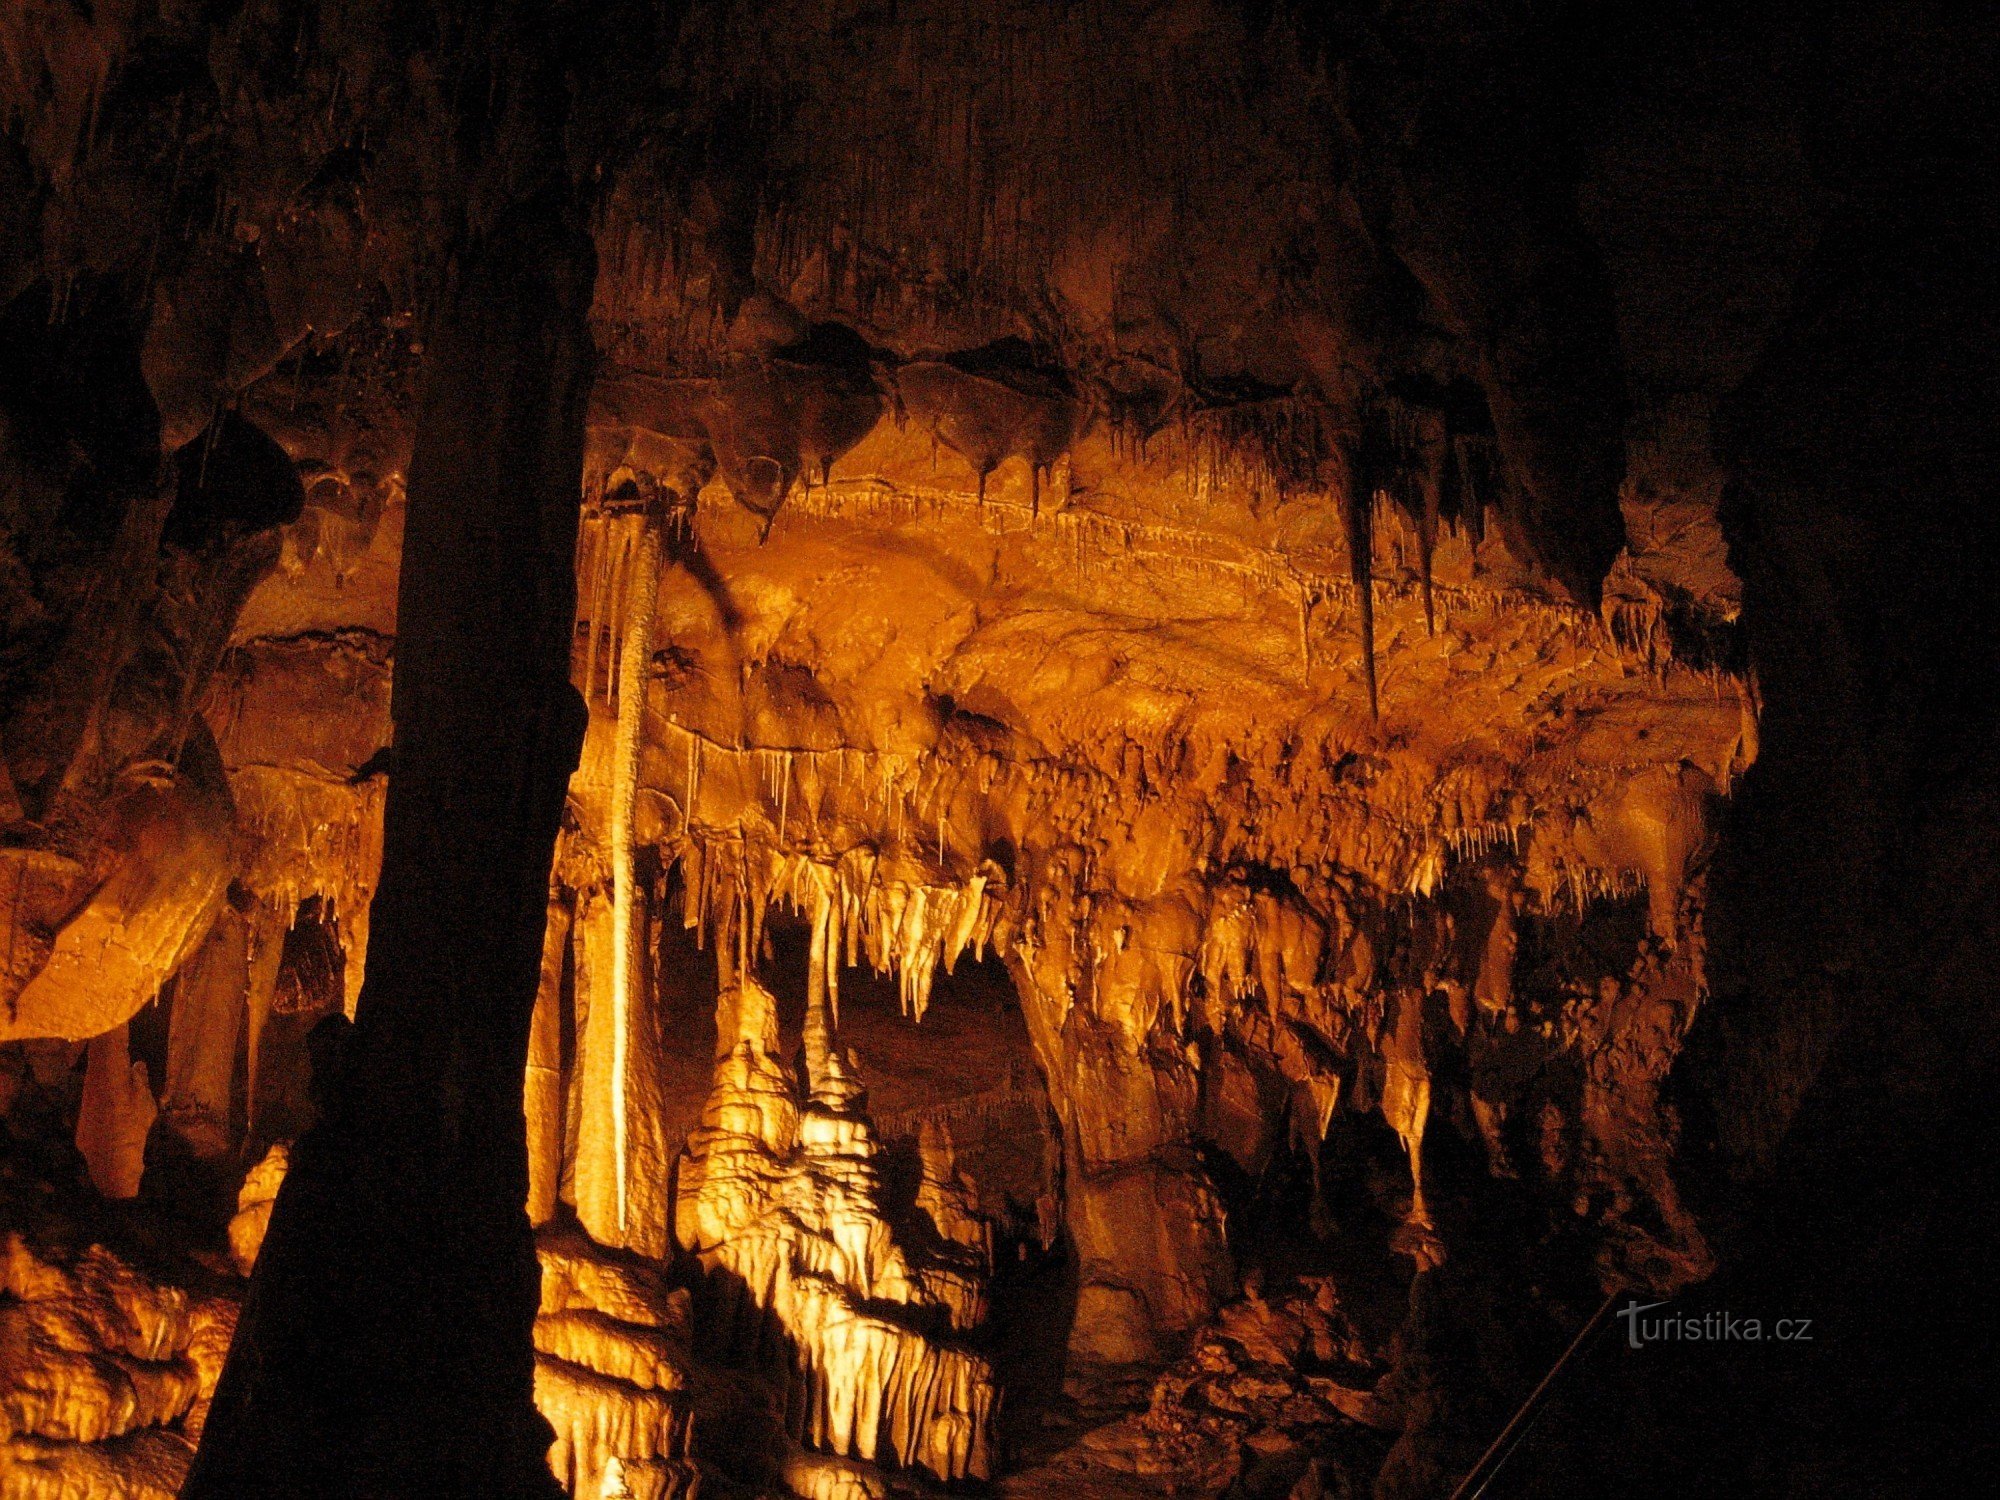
(1279, 1397)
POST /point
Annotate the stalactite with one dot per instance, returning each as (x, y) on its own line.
(114, 1116)
(1432, 481)
(267, 946)
(1305, 636)
(820, 1021)
(596, 597)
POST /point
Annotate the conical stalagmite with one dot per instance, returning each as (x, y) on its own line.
(782, 1207)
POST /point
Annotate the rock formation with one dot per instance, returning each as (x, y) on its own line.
(1057, 743)
(780, 1204)
(106, 1372)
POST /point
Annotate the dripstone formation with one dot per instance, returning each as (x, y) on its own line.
(832, 749)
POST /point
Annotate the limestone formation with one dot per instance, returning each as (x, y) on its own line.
(1097, 746)
(105, 1372)
(114, 1116)
(253, 1207)
(612, 1358)
(780, 1204)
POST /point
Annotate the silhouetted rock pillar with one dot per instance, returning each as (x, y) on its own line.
(385, 1346)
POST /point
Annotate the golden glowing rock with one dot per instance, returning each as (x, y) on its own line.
(116, 1113)
(781, 1206)
(105, 1375)
(611, 1367)
(253, 1206)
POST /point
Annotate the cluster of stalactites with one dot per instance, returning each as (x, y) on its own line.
(1315, 984)
(905, 914)
(1390, 452)
(860, 906)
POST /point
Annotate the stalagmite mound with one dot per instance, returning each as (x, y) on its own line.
(106, 1368)
(781, 1206)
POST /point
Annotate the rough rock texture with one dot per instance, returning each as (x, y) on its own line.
(612, 1356)
(1267, 1395)
(780, 1205)
(1411, 571)
(106, 1371)
(253, 1207)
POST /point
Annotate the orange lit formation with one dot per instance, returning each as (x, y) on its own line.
(1035, 716)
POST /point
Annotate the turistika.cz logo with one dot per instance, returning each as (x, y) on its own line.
(1713, 1327)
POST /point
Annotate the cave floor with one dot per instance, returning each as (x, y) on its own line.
(1068, 1444)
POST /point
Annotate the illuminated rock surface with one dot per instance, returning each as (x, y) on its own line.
(105, 1372)
(780, 1205)
(1273, 693)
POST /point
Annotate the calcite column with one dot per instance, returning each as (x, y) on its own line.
(542, 1092)
(631, 1057)
(202, 1035)
(597, 1167)
(619, 1078)
(268, 926)
(385, 1347)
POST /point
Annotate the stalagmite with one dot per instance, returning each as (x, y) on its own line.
(90, 1349)
(253, 1207)
(116, 1113)
(612, 1367)
(782, 1208)
(1406, 1105)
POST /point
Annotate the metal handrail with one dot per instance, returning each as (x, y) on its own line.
(1481, 1474)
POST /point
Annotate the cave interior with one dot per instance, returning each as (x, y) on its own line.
(1239, 748)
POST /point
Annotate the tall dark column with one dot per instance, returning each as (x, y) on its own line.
(385, 1348)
